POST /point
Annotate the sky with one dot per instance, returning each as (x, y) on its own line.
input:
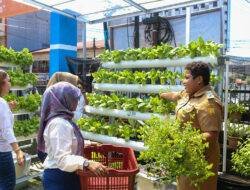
(94, 31)
(239, 28)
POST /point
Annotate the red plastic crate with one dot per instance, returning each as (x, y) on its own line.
(121, 163)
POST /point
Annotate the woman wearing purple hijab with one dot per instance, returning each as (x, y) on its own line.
(62, 140)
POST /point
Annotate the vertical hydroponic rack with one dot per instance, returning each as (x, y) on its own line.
(129, 90)
(18, 65)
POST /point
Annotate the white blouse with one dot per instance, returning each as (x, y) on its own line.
(6, 127)
(61, 146)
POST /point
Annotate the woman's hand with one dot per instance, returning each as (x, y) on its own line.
(97, 168)
(91, 143)
(20, 157)
(12, 104)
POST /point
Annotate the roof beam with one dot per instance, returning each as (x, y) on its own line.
(51, 8)
(116, 8)
(178, 5)
(68, 1)
(149, 11)
(136, 5)
(133, 14)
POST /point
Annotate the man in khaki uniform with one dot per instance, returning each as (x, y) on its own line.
(199, 104)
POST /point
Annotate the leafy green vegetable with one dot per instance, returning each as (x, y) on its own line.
(193, 49)
(23, 58)
(119, 128)
(138, 77)
(30, 103)
(26, 127)
(175, 151)
(19, 78)
(153, 104)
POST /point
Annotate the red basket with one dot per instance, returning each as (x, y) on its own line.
(122, 167)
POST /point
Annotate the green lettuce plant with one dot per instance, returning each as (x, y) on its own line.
(26, 127)
(30, 102)
(154, 104)
(19, 78)
(22, 58)
(121, 128)
(195, 48)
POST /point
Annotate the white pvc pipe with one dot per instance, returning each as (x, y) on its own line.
(84, 40)
(17, 88)
(21, 112)
(138, 88)
(138, 146)
(7, 65)
(121, 113)
(160, 63)
(225, 119)
(188, 18)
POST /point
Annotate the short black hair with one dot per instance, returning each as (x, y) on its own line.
(199, 69)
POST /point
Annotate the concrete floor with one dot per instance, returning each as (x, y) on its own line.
(33, 184)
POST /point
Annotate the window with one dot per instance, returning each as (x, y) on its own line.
(215, 4)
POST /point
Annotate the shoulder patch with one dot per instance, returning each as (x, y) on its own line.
(210, 95)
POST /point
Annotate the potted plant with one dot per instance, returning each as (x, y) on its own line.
(235, 133)
(241, 159)
(238, 173)
(235, 111)
(175, 151)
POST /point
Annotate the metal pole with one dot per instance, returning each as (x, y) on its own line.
(84, 49)
(94, 47)
(188, 17)
(225, 119)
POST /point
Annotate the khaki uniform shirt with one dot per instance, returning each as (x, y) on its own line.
(204, 110)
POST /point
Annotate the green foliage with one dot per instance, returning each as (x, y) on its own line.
(131, 54)
(138, 77)
(7, 55)
(30, 103)
(153, 105)
(19, 78)
(236, 108)
(175, 151)
(26, 127)
(117, 56)
(22, 58)
(164, 51)
(214, 79)
(193, 49)
(238, 130)
(121, 128)
(201, 48)
(154, 75)
(241, 159)
(105, 56)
